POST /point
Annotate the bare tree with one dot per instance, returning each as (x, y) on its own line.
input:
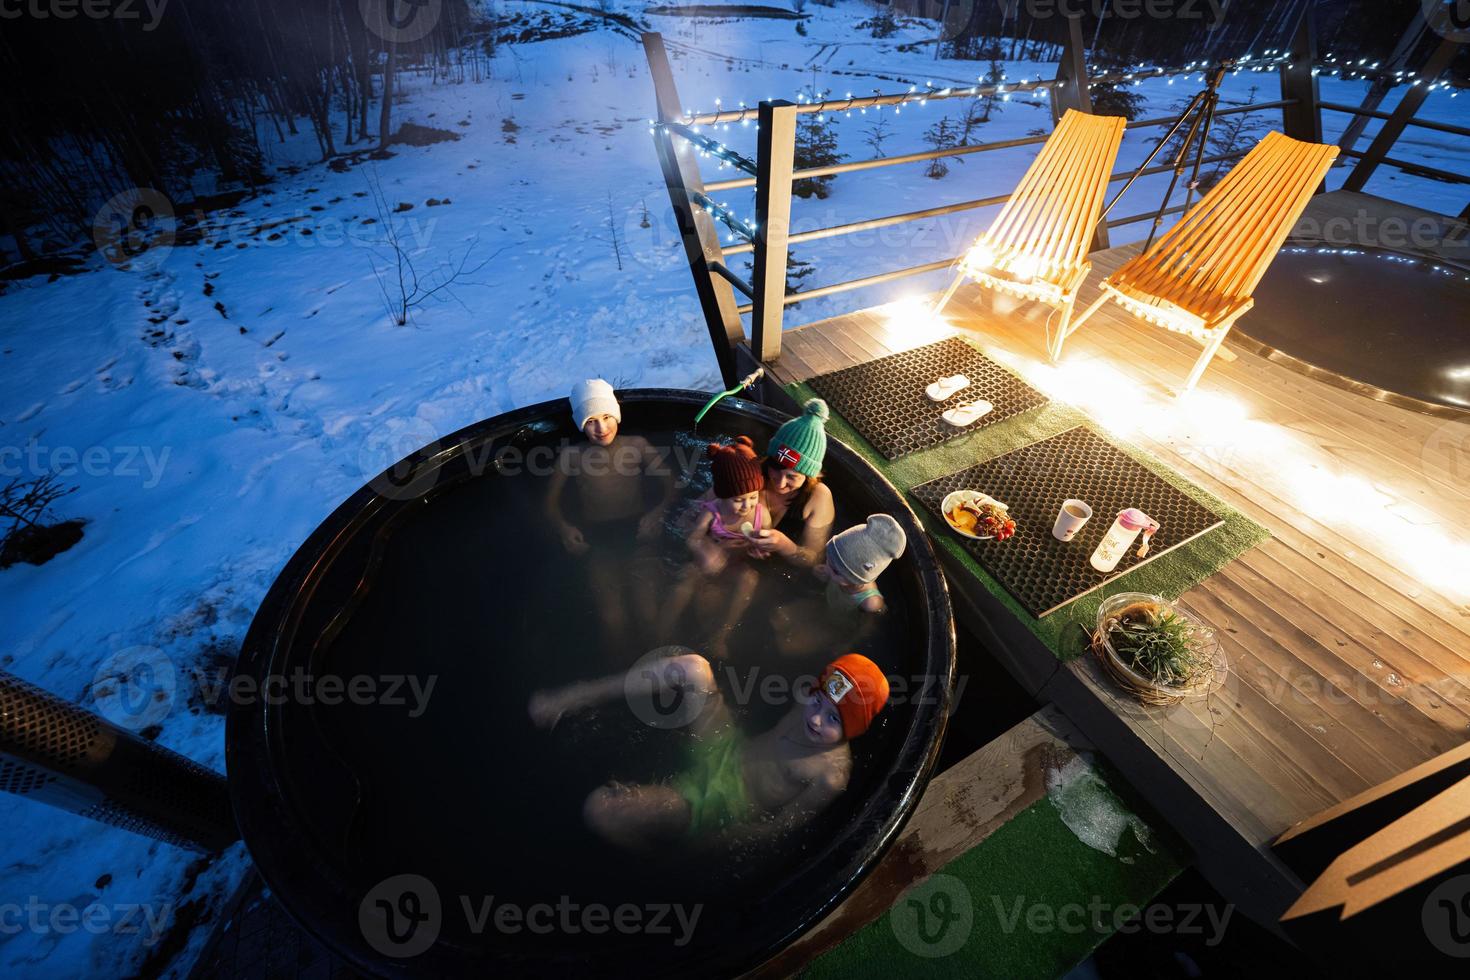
(612, 237)
(403, 288)
(25, 503)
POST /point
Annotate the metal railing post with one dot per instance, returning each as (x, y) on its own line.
(696, 228)
(1382, 85)
(1302, 119)
(775, 160)
(1071, 92)
(1408, 106)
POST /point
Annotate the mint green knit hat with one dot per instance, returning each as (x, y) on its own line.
(801, 444)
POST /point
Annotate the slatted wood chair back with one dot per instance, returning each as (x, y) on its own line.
(1211, 261)
(1055, 208)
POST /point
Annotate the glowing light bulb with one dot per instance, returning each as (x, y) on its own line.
(1025, 267)
(980, 257)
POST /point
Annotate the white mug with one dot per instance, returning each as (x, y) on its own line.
(1073, 515)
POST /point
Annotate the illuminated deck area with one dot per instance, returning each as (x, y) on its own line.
(1347, 633)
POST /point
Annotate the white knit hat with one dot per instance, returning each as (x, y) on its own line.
(594, 397)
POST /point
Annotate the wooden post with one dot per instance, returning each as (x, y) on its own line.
(1302, 121)
(1072, 94)
(1394, 126)
(775, 153)
(696, 228)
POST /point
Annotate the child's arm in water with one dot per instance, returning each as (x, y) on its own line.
(655, 464)
(708, 555)
(689, 673)
(571, 537)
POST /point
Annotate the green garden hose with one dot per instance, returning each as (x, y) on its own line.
(749, 380)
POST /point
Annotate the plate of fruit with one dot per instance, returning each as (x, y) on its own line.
(977, 515)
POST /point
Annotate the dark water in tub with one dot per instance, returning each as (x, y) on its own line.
(475, 591)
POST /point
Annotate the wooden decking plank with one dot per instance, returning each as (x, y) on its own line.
(1257, 789)
(1371, 655)
(818, 357)
(1341, 620)
(855, 340)
(790, 366)
(1361, 429)
(1332, 714)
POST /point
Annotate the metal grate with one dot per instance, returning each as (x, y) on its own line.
(20, 779)
(885, 401)
(45, 728)
(255, 939)
(1042, 573)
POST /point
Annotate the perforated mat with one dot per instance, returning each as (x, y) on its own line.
(1042, 573)
(885, 401)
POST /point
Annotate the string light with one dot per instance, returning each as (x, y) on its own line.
(1271, 59)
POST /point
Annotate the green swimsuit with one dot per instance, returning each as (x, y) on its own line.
(713, 784)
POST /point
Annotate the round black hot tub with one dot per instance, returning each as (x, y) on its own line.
(401, 805)
(1386, 323)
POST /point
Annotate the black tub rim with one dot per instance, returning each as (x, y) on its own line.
(1240, 338)
(264, 814)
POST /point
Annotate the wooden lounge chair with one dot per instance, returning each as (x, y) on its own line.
(1036, 248)
(1198, 279)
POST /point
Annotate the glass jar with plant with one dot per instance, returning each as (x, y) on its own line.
(1156, 651)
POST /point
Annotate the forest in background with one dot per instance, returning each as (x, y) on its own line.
(188, 102)
(189, 105)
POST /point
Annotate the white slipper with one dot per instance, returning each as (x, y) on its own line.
(964, 415)
(944, 387)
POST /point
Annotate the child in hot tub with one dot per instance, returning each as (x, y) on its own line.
(610, 473)
(736, 788)
(724, 530)
(855, 559)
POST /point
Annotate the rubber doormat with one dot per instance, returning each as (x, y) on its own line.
(884, 400)
(1042, 573)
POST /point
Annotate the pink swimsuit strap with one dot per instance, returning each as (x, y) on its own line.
(717, 526)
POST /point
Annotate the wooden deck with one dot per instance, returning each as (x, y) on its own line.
(1348, 632)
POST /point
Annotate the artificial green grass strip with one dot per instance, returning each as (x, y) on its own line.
(1169, 575)
(1040, 902)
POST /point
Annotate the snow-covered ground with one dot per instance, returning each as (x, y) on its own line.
(217, 401)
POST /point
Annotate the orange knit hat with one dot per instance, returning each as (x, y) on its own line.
(858, 688)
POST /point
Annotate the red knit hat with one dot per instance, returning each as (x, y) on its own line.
(736, 468)
(858, 688)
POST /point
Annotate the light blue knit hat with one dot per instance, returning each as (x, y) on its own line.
(801, 443)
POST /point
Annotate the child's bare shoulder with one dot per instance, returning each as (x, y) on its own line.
(833, 768)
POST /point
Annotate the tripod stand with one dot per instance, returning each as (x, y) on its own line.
(1200, 114)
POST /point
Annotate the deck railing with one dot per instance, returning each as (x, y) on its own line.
(768, 238)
